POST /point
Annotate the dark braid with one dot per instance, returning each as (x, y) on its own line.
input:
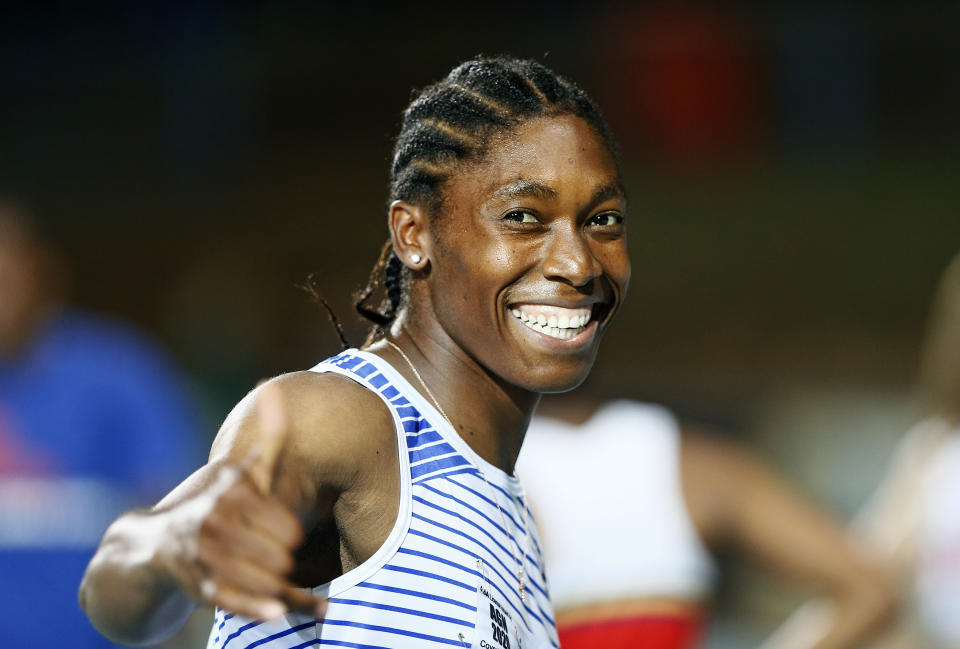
(374, 282)
(392, 279)
(451, 123)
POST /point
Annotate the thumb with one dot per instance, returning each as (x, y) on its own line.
(274, 424)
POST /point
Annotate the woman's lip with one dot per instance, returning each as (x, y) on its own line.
(590, 304)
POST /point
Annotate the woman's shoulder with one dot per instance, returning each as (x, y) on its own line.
(332, 407)
(330, 421)
(317, 390)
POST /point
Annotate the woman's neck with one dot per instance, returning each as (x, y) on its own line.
(490, 415)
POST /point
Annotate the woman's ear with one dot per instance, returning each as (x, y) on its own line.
(409, 230)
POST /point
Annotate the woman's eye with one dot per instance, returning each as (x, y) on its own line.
(521, 216)
(607, 220)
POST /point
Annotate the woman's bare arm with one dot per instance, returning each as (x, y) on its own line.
(226, 536)
(887, 525)
(736, 499)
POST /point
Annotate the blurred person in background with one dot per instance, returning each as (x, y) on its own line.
(913, 519)
(662, 498)
(93, 421)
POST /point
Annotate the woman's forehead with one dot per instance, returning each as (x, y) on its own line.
(542, 155)
(538, 189)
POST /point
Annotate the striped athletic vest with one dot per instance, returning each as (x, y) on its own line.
(422, 588)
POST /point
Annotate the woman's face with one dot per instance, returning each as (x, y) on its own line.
(530, 257)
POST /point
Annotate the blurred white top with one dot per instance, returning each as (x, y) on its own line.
(938, 547)
(608, 501)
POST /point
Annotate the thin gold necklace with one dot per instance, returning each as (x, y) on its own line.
(521, 573)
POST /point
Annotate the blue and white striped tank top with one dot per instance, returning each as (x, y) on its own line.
(420, 589)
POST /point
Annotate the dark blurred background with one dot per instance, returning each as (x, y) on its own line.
(792, 170)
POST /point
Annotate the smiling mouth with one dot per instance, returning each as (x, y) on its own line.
(557, 322)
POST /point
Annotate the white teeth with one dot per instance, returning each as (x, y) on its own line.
(562, 327)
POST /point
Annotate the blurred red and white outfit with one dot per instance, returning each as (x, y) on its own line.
(608, 501)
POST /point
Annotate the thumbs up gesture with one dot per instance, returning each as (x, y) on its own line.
(235, 538)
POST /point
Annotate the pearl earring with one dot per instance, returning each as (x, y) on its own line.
(415, 258)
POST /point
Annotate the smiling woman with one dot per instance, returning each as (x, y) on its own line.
(372, 502)
(533, 228)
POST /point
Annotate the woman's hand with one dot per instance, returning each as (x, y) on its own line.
(231, 545)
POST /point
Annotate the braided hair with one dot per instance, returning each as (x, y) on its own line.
(450, 123)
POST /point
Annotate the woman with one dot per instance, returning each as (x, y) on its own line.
(375, 491)
(660, 499)
(913, 519)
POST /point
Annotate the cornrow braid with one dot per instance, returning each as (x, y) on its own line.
(451, 123)
(382, 315)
